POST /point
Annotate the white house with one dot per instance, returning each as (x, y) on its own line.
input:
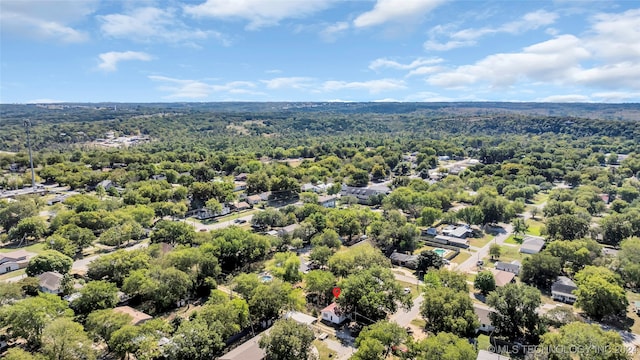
(328, 201)
(14, 260)
(531, 245)
(333, 314)
(483, 316)
(562, 290)
(50, 282)
(512, 267)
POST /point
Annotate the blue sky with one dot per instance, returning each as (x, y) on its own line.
(319, 50)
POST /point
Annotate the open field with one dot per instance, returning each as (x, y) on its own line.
(481, 241)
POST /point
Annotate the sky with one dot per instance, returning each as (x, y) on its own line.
(319, 50)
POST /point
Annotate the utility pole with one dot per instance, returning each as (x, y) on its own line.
(27, 125)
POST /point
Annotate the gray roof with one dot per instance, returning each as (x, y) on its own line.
(300, 317)
(563, 285)
(50, 280)
(403, 257)
(532, 244)
(483, 314)
(250, 350)
(500, 265)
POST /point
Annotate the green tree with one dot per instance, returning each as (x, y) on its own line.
(443, 346)
(629, 257)
(320, 283)
(320, 255)
(61, 244)
(428, 216)
(369, 349)
(540, 270)
(117, 265)
(245, 285)
(49, 260)
(96, 295)
(287, 340)
(354, 259)
(139, 340)
(373, 293)
(173, 232)
(17, 353)
(386, 333)
(81, 237)
(566, 227)
(194, 340)
(64, 339)
(471, 215)
(163, 286)
(485, 282)
(28, 318)
(329, 238)
(286, 265)
(598, 294)
(31, 228)
(587, 341)
(495, 251)
(515, 311)
(103, 323)
(615, 228)
(519, 226)
(12, 212)
(429, 259)
(213, 205)
(449, 310)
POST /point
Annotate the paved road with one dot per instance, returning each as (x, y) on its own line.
(482, 252)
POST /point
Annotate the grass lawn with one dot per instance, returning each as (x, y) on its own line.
(423, 248)
(323, 350)
(415, 289)
(462, 256)
(535, 227)
(34, 248)
(510, 253)
(483, 342)
(12, 274)
(482, 241)
(635, 328)
(513, 240)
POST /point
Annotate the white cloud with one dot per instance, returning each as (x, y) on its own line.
(548, 61)
(288, 83)
(387, 63)
(195, 89)
(110, 60)
(45, 20)
(570, 98)
(331, 32)
(424, 70)
(45, 101)
(372, 86)
(153, 24)
(259, 13)
(395, 10)
(617, 36)
(468, 37)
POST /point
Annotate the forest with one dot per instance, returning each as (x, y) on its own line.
(281, 228)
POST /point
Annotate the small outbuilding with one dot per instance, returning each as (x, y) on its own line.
(333, 314)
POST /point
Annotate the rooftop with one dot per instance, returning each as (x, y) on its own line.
(137, 316)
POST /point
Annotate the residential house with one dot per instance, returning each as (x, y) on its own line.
(460, 232)
(328, 201)
(562, 290)
(288, 230)
(14, 260)
(333, 314)
(503, 277)
(106, 184)
(512, 267)
(242, 206)
(250, 350)
(159, 177)
(487, 355)
(482, 312)
(531, 245)
(309, 187)
(50, 282)
(450, 240)
(241, 177)
(430, 232)
(239, 186)
(137, 317)
(407, 260)
(254, 199)
(364, 194)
